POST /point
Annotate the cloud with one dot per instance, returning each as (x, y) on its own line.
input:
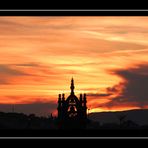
(134, 87)
(13, 26)
(7, 72)
(98, 95)
(27, 64)
(33, 73)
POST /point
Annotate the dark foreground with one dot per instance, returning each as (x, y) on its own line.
(21, 125)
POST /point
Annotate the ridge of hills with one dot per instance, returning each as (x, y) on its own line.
(139, 116)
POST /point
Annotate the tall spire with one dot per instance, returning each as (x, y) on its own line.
(72, 86)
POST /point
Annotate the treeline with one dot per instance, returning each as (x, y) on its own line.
(23, 121)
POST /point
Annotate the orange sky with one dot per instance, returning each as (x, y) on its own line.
(39, 55)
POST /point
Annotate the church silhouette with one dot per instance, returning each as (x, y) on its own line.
(72, 112)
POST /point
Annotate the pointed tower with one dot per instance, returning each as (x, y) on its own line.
(72, 111)
(72, 87)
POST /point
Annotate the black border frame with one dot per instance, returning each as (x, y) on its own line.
(73, 134)
(73, 12)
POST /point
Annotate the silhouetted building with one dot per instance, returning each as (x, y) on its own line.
(72, 112)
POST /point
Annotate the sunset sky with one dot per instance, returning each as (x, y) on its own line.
(106, 56)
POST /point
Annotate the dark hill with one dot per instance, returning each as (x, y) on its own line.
(139, 116)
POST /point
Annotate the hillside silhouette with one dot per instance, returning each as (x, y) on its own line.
(137, 118)
(131, 119)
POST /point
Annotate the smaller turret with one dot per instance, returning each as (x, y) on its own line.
(84, 99)
(81, 99)
(59, 99)
(85, 107)
(63, 97)
(59, 106)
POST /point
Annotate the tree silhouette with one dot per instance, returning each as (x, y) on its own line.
(121, 119)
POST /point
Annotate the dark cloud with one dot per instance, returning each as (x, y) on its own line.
(38, 108)
(98, 95)
(115, 89)
(7, 70)
(27, 64)
(134, 87)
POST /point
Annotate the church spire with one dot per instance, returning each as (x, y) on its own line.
(72, 86)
